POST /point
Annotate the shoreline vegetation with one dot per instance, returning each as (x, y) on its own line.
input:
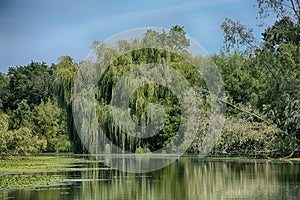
(36, 172)
(21, 172)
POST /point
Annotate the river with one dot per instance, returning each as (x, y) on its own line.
(186, 178)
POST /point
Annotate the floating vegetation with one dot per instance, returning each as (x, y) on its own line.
(33, 164)
(28, 181)
(39, 171)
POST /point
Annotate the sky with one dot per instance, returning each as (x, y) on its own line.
(44, 30)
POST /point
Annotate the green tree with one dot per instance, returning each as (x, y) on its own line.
(22, 116)
(4, 91)
(33, 83)
(5, 136)
(275, 68)
(20, 140)
(174, 44)
(23, 141)
(282, 32)
(241, 81)
(279, 97)
(177, 38)
(47, 117)
(66, 71)
(279, 8)
(237, 37)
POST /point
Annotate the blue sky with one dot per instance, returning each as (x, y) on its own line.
(44, 30)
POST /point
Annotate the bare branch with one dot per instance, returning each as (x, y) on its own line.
(294, 9)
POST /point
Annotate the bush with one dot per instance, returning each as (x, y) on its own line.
(142, 150)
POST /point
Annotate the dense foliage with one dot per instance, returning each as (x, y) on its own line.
(31, 120)
(262, 82)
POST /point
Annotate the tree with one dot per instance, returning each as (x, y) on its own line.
(5, 137)
(146, 50)
(237, 36)
(279, 95)
(47, 117)
(24, 142)
(277, 61)
(22, 116)
(33, 83)
(281, 9)
(279, 57)
(20, 140)
(177, 38)
(66, 71)
(4, 91)
(284, 31)
(241, 81)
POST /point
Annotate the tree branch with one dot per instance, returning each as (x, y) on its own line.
(238, 108)
(294, 9)
(241, 110)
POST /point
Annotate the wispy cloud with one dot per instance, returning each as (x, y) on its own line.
(54, 28)
(113, 21)
(195, 5)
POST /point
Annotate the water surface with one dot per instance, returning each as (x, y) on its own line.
(186, 178)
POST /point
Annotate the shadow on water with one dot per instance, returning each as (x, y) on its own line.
(186, 178)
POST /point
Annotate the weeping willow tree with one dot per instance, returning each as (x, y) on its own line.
(66, 73)
(143, 98)
(150, 102)
(147, 102)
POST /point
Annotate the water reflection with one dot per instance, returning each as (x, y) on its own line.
(184, 179)
(138, 163)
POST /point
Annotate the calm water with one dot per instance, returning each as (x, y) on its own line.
(187, 178)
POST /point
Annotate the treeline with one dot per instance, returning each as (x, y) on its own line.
(30, 118)
(261, 80)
